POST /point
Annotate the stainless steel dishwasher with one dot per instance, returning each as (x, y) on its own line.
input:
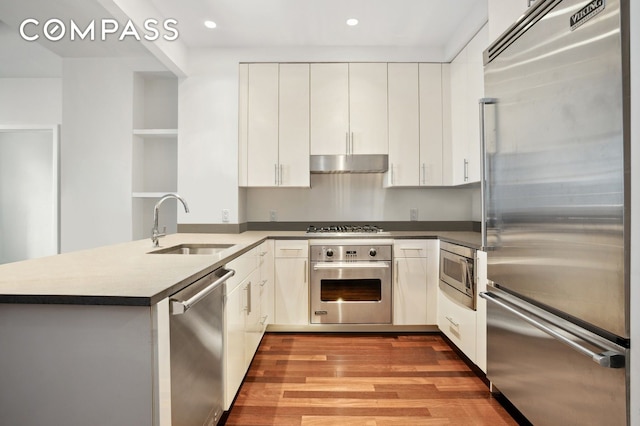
(196, 328)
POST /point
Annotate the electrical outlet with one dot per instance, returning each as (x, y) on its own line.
(225, 215)
(413, 213)
(273, 215)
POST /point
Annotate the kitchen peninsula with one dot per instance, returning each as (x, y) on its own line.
(86, 332)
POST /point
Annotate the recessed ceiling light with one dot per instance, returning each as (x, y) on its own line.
(210, 24)
(352, 22)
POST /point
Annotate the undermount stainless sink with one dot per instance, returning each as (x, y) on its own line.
(193, 249)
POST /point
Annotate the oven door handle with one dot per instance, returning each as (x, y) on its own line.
(351, 265)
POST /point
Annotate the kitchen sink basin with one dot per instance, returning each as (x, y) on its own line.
(193, 249)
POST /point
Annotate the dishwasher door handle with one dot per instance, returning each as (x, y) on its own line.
(608, 358)
(179, 307)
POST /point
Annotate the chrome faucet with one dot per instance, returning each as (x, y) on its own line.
(155, 234)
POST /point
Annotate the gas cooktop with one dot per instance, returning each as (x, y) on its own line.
(344, 229)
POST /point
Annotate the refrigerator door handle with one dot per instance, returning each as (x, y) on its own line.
(608, 358)
(483, 169)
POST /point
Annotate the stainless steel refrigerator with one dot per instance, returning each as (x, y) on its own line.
(556, 209)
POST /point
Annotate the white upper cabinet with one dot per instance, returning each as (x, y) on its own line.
(349, 109)
(368, 108)
(262, 122)
(293, 152)
(274, 106)
(329, 108)
(431, 124)
(415, 125)
(466, 88)
(404, 125)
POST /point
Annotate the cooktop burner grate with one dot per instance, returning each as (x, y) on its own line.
(346, 229)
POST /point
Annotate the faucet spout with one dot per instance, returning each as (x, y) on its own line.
(155, 234)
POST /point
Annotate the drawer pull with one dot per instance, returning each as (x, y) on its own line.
(453, 323)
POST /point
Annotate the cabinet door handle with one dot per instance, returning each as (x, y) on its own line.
(304, 271)
(455, 324)
(391, 170)
(275, 174)
(264, 319)
(248, 305)
(424, 174)
(280, 178)
(397, 272)
(352, 142)
(466, 170)
(263, 283)
(347, 142)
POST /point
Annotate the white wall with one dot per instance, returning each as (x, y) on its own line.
(356, 197)
(28, 199)
(30, 101)
(96, 152)
(208, 127)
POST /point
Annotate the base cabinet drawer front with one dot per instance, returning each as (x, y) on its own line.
(458, 323)
(410, 248)
(291, 248)
(243, 266)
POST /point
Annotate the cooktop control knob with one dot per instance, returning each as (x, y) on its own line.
(329, 252)
(372, 252)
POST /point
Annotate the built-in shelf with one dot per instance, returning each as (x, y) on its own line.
(154, 151)
(156, 133)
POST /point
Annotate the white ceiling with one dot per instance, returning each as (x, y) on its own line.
(262, 23)
(439, 25)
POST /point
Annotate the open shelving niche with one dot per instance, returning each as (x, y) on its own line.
(154, 151)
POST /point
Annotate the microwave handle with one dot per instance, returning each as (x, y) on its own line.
(466, 271)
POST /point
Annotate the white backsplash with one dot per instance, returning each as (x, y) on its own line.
(357, 197)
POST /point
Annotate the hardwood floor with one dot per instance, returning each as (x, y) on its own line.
(365, 379)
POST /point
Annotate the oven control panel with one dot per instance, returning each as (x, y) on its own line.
(345, 253)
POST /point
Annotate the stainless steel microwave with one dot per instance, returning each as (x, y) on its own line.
(457, 273)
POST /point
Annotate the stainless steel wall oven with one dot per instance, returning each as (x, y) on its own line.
(350, 282)
(457, 273)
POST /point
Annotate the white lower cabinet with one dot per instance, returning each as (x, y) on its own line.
(481, 312)
(415, 281)
(292, 282)
(243, 323)
(458, 323)
(266, 283)
(234, 345)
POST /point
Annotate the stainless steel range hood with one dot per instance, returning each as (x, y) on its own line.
(370, 163)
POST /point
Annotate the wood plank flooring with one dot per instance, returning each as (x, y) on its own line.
(365, 379)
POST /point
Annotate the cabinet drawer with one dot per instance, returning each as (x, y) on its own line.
(243, 265)
(292, 248)
(410, 248)
(458, 323)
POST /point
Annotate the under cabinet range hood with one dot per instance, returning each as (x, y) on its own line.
(354, 163)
